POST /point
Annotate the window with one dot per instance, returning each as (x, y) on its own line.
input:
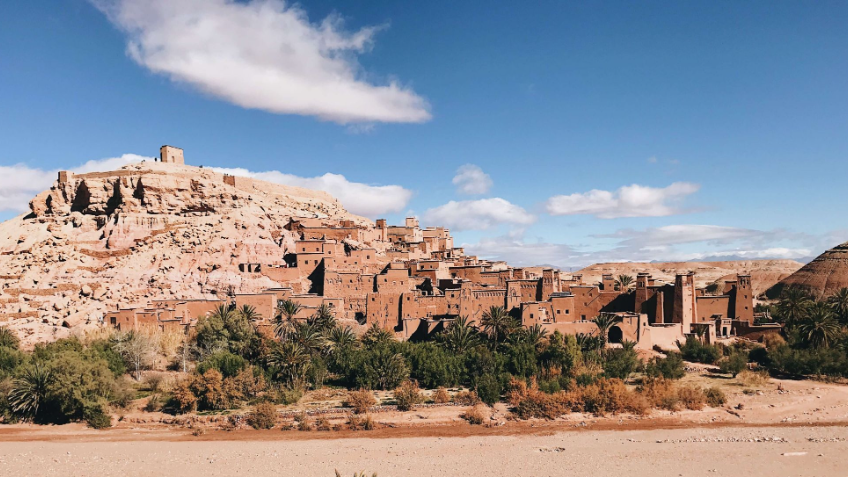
(531, 316)
(559, 312)
(566, 311)
(583, 317)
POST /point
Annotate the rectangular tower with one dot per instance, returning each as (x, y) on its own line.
(171, 155)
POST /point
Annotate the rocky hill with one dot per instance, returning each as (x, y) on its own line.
(149, 231)
(764, 273)
(821, 277)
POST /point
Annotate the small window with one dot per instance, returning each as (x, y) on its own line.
(531, 316)
(559, 312)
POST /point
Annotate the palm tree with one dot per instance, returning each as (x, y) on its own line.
(820, 328)
(324, 318)
(292, 362)
(286, 311)
(793, 305)
(534, 335)
(376, 336)
(460, 336)
(249, 313)
(30, 390)
(308, 335)
(839, 302)
(339, 338)
(498, 323)
(624, 282)
(588, 342)
(604, 322)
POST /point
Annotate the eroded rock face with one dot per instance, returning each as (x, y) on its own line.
(822, 277)
(99, 241)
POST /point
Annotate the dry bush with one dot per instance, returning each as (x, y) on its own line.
(466, 398)
(660, 393)
(184, 398)
(322, 424)
(530, 402)
(408, 395)
(475, 415)
(441, 396)
(772, 341)
(360, 401)
(691, 397)
(360, 423)
(753, 378)
(715, 397)
(612, 396)
(518, 390)
(157, 382)
(264, 416)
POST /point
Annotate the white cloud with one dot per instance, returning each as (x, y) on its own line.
(478, 214)
(471, 180)
(263, 54)
(675, 243)
(628, 201)
(680, 234)
(519, 253)
(19, 183)
(358, 198)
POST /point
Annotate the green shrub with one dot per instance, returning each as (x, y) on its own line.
(620, 363)
(694, 350)
(489, 389)
(670, 367)
(96, 417)
(734, 364)
(224, 362)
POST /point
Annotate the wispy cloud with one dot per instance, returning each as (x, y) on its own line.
(670, 243)
(478, 214)
(628, 201)
(263, 54)
(471, 180)
(19, 183)
(361, 199)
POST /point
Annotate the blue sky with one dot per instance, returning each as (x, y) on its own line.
(724, 122)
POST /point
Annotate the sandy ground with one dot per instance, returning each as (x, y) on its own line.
(797, 451)
(783, 428)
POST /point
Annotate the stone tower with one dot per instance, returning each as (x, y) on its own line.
(171, 154)
(685, 304)
(744, 299)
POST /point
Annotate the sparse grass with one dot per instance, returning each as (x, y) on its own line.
(360, 423)
(322, 424)
(753, 378)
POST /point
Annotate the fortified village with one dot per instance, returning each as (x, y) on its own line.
(243, 241)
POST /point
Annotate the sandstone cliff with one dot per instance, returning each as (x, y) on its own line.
(98, 241)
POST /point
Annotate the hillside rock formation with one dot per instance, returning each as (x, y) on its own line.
(98, 241)
(764, 273)
(821, 277)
